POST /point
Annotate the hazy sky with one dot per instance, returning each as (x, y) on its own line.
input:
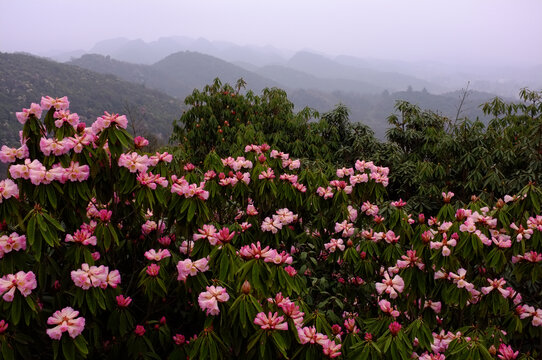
(466, 31)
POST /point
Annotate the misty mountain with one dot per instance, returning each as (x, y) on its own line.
(295, 79)
(177, 75)
(25, 79)
(319, 65)
(138, 51)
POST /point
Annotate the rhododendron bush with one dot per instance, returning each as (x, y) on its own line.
(105, 252)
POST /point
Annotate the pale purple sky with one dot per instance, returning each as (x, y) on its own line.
(500, 32)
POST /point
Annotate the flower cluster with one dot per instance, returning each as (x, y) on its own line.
(65, 320)
(95, 276)
(208, 300)
(24, 282)
(13, 242)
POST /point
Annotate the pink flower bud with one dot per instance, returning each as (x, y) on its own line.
(3, 326)
(139, 330)
(395, 327)
(153, 270)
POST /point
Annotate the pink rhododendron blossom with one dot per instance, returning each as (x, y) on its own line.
(153, 270)
(8, 155)
(272, 321)
(95, 276)
(390, 286)
(447, 196)
(445, 245)
(326, 193)
(268, 174)
(507, 353)
(107, 120)
(435, 305)
(24, 282)
(410, 260)
(122, 301)
(398, 204)
(344, 172)
(369, 209)
(208, 300)
(134, 162)
(151, 181)
(13, 242)
(65, 116)
(254, 251)
(334, 244)
(3, 326)
(386, 307)
(82, 236)
(140, 141)
(307, 335)
(330, 348)
(154, 255)
(206, 232)
(65, 320)
(498, 285)
(187, 267)
(48, 102)
(35, 109)
(8, 189)
(139, 330)
(222, 236)
(273, 256)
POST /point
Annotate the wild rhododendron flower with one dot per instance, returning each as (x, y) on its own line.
(123, 301)
(153, 270)
(23, 116)
(107, 120)
(59, 103)
(507, 353)
(390, 286)
(3, 326)
(330, 348)
(394, 327)
(188, 267)
(445, 244)
(272, 321)
(66, 320)
(157, 255)
(82, 236)
(496, 284)
(208, 300)
(24, 282)
(95, 276)
(13, 242)
(140, 141)
(334, 244)
(410, 260)
(134, 162)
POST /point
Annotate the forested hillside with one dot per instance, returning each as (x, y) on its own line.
(25, 78)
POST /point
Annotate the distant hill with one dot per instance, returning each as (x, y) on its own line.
(25, 78)
(178, 74)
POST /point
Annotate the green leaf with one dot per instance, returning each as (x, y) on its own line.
(81, 344)
(68, 349)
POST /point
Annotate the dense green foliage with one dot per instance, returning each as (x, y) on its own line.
(427, 153)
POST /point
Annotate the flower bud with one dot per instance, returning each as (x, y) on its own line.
(245, 288)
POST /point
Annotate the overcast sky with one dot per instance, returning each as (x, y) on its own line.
(465, 31)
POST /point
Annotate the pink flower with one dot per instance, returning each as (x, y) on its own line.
(153, 270)
(386, 307)
(179, 339)
(507, 353)
(123, 301)
(139, 330)
(307, 335)
(140, 141)
(271, 321)
(398, 204)
(496, 284)
(188, 267)
(59, 103)
(330, 348)
(8, 189)
(154, 255)
(447, 196)
(390, 286)
(334, 244)
(82, 236)
(208, 300)
(13, 242)
(410, 260)
(325, 193)
(223, 236)
(134, 162)
(290, 270)
(23, 116)
(65, 320)
(107, 120)
(3, 326)
(24, 282)
(394, 327)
